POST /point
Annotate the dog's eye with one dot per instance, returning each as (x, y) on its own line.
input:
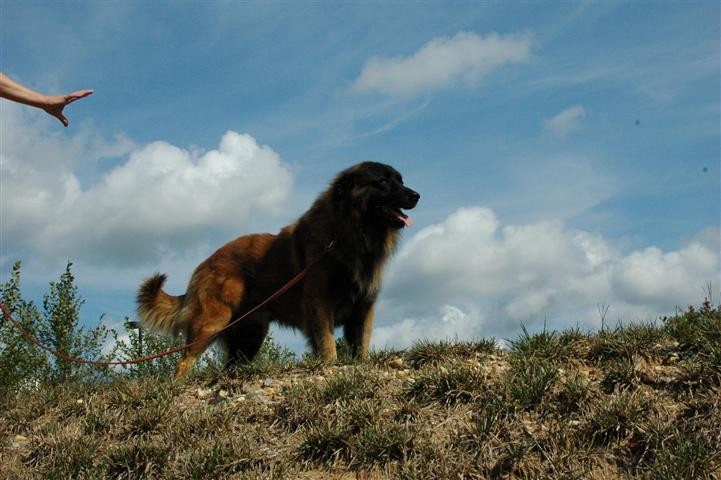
(383, 182)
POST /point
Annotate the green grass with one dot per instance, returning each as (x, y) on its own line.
(529, 381)
(544, 345)
(614, 417)
(346, 386)
(575, 391)
(620, 372)
(383, 443)
(447, 387)
(324, 444)
(636, 401)
(433, 353)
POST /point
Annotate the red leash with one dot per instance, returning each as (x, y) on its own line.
(282, 290)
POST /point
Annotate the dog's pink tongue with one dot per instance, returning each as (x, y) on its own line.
(407, 220)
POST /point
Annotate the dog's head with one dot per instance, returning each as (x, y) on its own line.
(374, 194)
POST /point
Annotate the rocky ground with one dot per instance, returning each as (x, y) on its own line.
(643, 401)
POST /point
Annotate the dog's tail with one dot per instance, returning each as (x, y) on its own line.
(157, 309)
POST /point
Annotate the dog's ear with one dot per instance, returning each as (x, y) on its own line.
(342, 188)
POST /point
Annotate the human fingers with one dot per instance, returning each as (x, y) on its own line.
(63, 119)
(71, 97)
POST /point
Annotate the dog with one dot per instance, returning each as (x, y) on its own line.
(343, 241)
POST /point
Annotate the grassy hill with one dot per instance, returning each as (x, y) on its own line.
(642, 401)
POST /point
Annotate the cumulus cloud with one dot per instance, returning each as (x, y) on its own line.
(465, 57)
(159, 195)
(470, 276)
(566, 122)
(651, 275)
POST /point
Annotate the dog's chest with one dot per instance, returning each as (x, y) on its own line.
(358, 284)
(368, 283)
(349, 299)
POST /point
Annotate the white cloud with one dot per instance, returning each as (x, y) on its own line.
(651, 275)
(469, 276)
(159, 197)
(566, 122)
(465, 57)
(470, 254)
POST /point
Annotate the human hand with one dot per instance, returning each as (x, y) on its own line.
(55, 104)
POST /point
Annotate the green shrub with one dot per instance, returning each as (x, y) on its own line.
(142, 343)
(57, 325)
(22, 364)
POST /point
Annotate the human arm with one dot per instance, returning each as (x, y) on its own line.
(52, 104)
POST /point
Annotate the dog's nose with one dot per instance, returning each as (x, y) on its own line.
(413, 197)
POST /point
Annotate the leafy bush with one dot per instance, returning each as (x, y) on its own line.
(141, 343)
(23, 365)
(61, 331)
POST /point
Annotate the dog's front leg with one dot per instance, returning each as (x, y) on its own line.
(319, 329)
(358, 330)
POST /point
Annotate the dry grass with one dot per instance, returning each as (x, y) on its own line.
(641, 401)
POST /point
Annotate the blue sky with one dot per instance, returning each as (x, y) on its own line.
(567, 154)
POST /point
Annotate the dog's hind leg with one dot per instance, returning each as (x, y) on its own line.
(190, 356)
(243, 341)
(201, 333)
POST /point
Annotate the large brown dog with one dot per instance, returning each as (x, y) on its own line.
(360, 213)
